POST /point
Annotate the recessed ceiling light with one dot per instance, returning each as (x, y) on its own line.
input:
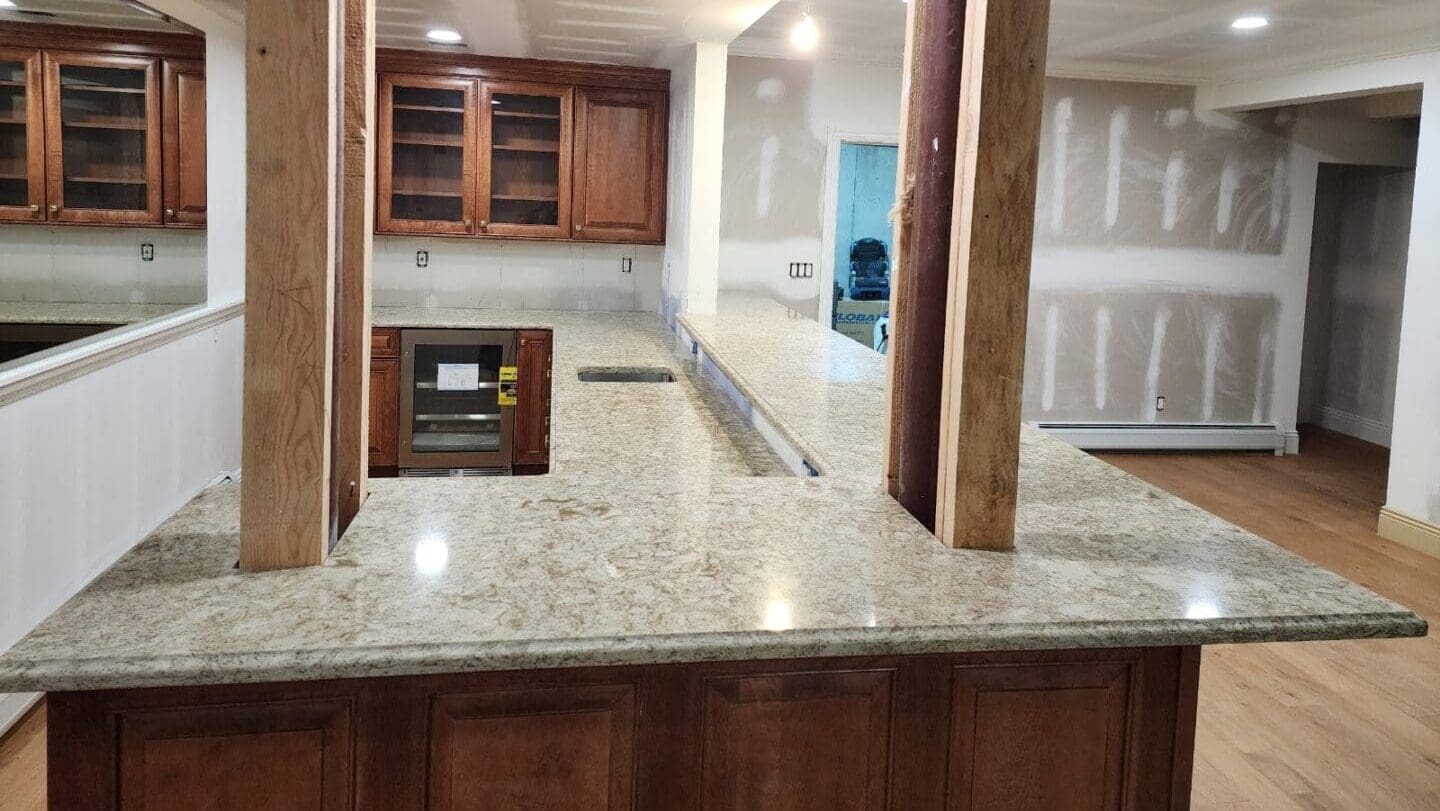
(805, 35)
(1249, 23)
(444, 35)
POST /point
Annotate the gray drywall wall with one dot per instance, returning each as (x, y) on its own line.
(1357, 286)
(1172, 246)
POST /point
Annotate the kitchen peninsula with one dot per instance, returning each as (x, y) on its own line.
(668, 621)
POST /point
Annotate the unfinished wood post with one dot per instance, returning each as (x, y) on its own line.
(352, 331)
(291, 98)
(1001, 95)
(918, 306)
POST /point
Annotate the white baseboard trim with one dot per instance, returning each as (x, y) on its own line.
(1407, 530)
(1172, 437)
(13, 707)
(1359, 427)
(1292, 442)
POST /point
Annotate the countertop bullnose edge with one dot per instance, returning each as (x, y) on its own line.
(64, 675)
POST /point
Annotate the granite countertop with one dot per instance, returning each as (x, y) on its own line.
(79, 312)
(624, 555)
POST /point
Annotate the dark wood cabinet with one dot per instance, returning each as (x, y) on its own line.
(184, 171)
(1043, 730)
(620, 158)
(22, 136)
(526, 145)
(426, 159)
(384, 428)
(96, 129)
(102, 138)
(518, 148)
(532, 413)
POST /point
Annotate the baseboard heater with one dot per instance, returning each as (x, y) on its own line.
(1093, 436)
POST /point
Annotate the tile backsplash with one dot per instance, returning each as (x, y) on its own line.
(486, 274)
(78, 264)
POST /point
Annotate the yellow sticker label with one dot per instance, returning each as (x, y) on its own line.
(509, 386)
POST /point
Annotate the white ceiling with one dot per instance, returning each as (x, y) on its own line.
(97, 13)
(1162, 40)
(631, 32)
(1166, 40)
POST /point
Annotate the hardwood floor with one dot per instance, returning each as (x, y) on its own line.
(1343, 725)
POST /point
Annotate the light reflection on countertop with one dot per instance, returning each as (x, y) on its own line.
(643, 548)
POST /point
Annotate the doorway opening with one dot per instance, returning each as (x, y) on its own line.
(1354, 300)
(858, 248)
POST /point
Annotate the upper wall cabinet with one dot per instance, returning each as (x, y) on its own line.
(427, 155)
(22, 142)
(620, 157)
(515, 148)
(101, 127)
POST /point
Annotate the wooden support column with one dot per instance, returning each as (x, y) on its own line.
(918, 307)
(291, 110)
(352, 379)
(1001, 93)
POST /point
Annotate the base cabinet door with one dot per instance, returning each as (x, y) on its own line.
(620, 145)
(532, 414)
(385, 412)
(285, 755)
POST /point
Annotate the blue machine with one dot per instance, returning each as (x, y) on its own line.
(869, 270)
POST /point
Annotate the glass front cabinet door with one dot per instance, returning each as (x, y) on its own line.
(525, 145)
(103, 128)
(427, 155)
(22, 136)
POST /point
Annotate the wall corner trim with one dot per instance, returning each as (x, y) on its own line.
(111, 349)
(1407, 530)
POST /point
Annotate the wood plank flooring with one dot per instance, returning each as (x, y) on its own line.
(1335, 725)
(1343, 725)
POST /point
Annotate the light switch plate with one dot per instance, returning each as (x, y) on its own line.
(422, 259)
(147, 252)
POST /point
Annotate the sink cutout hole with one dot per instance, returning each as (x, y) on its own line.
(627, 375)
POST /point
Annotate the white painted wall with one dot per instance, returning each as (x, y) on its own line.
(93, 465)
(1414, 487)
(779, 117)
(488, 274)
(690, 279)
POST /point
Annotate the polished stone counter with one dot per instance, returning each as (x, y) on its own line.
(642, 560)
(66, 312)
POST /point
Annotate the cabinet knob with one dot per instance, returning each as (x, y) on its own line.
(34, 207)
(169, 213)
(484, 224)
(54, 209)
(579, 228)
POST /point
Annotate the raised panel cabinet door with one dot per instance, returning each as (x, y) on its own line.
(22, 136)
(183, 98)
(384, 412)
(793, 741)
(425, 167)
(1043, 737)
(525, 152)
(546, 748)
(620, 146)
(102, 138)
(277, 756)
(532, 416)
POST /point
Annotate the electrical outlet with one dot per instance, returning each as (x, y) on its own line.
(627, 264)
(147, 252)
(1160, 403)
(422, 259)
